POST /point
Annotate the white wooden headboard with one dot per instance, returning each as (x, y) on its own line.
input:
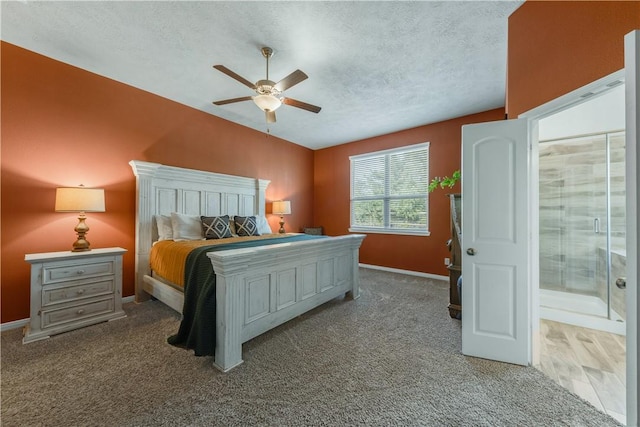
(162, 189)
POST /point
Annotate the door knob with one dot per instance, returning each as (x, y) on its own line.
(621, 282)
(471, 251)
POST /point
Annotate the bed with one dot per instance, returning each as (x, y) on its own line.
(256, 288)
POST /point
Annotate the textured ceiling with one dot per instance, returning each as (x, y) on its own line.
(373, 67)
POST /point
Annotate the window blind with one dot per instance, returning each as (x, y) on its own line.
(389, 190)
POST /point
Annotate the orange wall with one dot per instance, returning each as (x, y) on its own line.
(415, 253)
(62, 126)
(559, 46)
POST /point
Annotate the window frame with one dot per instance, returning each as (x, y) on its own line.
(387, 198)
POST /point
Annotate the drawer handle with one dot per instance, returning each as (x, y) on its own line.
(80, 311)
(80, 271)
(80, 291)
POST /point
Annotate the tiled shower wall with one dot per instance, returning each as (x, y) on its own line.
(573, 209)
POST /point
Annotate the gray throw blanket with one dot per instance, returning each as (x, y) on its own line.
(198, 327)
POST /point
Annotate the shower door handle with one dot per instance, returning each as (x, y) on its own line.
(621, 282)
(596, 225)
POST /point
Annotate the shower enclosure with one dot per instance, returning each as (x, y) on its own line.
(582, 230)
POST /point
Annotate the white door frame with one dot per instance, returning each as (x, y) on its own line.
(632, 67)
(632, 100)
(564, 102)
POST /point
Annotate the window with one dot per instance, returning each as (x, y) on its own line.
(389, 191)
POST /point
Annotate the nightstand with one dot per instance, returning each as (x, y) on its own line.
(70, 290)
(318, 231)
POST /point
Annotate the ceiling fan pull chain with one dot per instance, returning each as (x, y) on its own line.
(266, 121)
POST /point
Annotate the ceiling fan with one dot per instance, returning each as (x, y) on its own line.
(269, 95)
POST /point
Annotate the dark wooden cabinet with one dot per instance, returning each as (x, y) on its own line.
(455, 247)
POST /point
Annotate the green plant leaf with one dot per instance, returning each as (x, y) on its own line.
(446, 182)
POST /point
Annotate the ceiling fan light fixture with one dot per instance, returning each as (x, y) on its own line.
(269, 94)
(267, 102)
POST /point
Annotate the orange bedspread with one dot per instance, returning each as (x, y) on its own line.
(168, 258)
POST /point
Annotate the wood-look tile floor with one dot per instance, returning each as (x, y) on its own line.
(588, 363)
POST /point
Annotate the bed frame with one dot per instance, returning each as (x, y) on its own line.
(257, 288)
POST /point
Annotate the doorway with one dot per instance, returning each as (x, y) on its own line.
(483, 315)
(581, 164)
(582, 241)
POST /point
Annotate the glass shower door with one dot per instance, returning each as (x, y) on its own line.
(574, 222)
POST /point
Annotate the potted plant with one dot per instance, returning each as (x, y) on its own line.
(455, 267)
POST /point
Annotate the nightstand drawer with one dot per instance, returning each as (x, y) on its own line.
(54, 317)
(53, 274)
(56, 295)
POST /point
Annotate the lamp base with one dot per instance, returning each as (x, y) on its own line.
(282, 230)
(81, 244)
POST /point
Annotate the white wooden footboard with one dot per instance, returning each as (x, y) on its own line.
(262, 287)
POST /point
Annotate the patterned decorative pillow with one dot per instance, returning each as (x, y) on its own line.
(215, 227)
(246, 225)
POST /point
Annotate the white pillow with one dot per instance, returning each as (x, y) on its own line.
(263, 225)
(232, 226)
(186, 227)
(165, 229)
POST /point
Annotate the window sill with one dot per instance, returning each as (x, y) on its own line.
(389, 231)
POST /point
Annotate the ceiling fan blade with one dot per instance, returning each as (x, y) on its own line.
(271, 116)
(300, 104)
(292, 79)
(233, 75)
(229, 101)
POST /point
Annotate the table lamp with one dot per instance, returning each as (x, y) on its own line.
(80, 199)
(281, 207)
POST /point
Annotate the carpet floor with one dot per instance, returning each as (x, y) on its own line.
(390, 358)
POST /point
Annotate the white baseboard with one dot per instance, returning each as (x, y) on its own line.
(22, 322)
(14, 325)
(407, 272)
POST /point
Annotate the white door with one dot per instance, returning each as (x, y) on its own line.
(632, 101)
(496, 290)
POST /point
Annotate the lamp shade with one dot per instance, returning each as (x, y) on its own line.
(281, 207)
(267, 102)
(79, 199)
